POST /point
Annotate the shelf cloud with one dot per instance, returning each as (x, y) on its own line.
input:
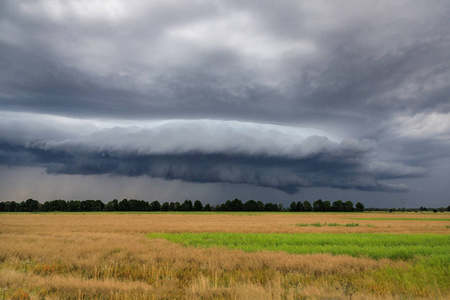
(273, 156)
(352, 95)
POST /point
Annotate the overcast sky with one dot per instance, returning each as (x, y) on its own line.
(275, 101)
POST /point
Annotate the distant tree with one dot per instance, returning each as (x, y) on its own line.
(123, 205)
(271, 207)
(91, 205)
(226, 206)
(348, 205)
(165, 206)
(338, 206)
(293, 206)
(448, 208)
(259, 206)
(99, 205)
(237, 205)
(326, 206)
(144, 205)
(250, 205)
(20, 207)
(112, 205)
(54, 205)
(74, 205)
(177, 206)
(134, 205)
(359, 207)
(300, 206)
(31, 205)
(307, 206)
(155, 206)
(10, 206)
(318, 205)
(46, 206)
(198, 206)
(207, 207)
(61, 205)
(441, 209)
(187, 205)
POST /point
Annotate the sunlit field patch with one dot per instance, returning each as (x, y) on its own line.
(401, 219)
(376, 246)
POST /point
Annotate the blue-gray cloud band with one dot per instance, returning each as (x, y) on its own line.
(233, 153)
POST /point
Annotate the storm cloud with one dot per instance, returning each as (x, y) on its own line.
(288, 95)
(281, 157)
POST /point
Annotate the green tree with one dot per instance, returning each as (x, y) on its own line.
(237, 205)
(293, 206)
(337, 206)
(165, 206)
(327, 206)
(98, 205)
(10, 206)
(123, 205)
(112, 205)
(348, 205)
(155, 206)
(259, 206)
(31, 205)
(207, 207)
(74, 205)
(187, 205)
(271, 207)
(307, 206)
(318, 205)
(250, 205)
(300, 206)
(359, 207)
(198, 206)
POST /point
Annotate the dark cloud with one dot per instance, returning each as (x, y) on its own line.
(370, 77)
(210, 151)
(287, 62)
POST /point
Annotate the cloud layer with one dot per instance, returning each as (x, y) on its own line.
(291, 62)
(285, 94)
(273, 156)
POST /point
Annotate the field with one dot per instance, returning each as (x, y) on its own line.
(220, 255)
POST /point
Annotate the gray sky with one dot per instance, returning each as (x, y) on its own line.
(272, 100)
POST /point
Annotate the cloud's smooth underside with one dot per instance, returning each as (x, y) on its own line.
(359, 89)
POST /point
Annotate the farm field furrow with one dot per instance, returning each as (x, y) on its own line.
(223, 256)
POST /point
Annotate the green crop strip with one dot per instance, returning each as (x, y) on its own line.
(318, 224)
(398, 219)
(392, 246)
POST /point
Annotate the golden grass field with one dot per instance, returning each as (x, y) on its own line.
(108, 256)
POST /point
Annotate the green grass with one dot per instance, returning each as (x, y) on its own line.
(398, 219)
(318, 224)
(372, 245)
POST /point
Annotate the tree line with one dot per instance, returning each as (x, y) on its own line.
(32, 205)
(319, 205)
